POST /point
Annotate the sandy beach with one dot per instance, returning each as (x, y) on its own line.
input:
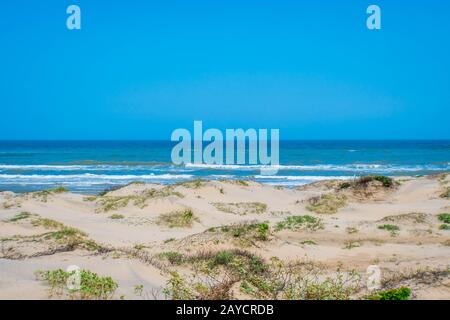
(232, 239)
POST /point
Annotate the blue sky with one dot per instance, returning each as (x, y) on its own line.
(140, 69)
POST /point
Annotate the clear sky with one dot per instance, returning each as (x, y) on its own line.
(140, 69)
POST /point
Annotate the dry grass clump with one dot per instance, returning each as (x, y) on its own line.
(327, 203)
(241, 208)
(411, 218)
(59, 238)
(178, 219)
(110, 203)
(218, 272)
(238, 182)
(446, 193)
(44, 194)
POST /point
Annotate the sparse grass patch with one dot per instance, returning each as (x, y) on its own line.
(174, 258)
(241, 208)
(109, 203)
(20, 216)
(327, 203)
(295, 223)
(178, 219)
(351, 230)
(44, 194)
(393, 229)
(402, 293)
(92, 286)
(446, 193)
(246, 233)
(116, 216)
(238, 182)
(351, 244)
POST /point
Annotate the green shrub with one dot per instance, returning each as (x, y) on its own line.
(444, 217)
(402, 293)
(92, 286)
(116, 216)
(393, 229)
(174, 258)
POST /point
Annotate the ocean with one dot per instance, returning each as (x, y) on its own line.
(92, 166)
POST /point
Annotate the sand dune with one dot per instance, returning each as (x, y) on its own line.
(142, 233)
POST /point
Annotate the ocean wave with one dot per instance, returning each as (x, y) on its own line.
(326, 167)
(303, 178)
(89, 176)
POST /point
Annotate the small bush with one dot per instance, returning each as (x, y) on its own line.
(364, 181)
(174, 258)
(402, 293)
(444, 217)
(92, 286)
(444, 227)
(393, 229)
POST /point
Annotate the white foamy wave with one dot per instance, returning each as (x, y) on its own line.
(89, 177)
(303, 178)
(325, 167)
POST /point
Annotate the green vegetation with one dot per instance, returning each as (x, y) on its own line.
(241, 208)
(116, 216)
(344, 185)
(20, 216)
(444, 227)
(364, 181)
(305, 222)
(178, 219)
(246, 233)
(92, 286)
(393, 229)
(402, 293)
(173, 257)
(327, 203)
(444, 217)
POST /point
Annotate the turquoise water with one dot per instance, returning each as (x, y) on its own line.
(91, 166)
